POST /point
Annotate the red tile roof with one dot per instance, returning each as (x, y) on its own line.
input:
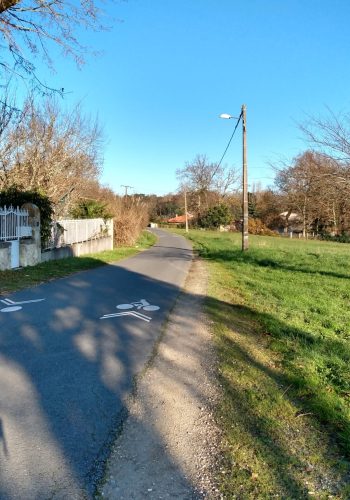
(180, 219)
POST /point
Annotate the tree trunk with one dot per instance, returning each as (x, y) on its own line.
(335, 220)
(304, 220)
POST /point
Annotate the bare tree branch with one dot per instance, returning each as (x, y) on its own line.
(29, 27)
(330, 135)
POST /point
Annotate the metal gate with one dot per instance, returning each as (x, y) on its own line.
(14, 225)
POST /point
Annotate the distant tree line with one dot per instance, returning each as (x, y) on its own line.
(58, 154)
(310, 194)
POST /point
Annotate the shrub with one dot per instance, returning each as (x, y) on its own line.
(90, 209)
(129, 221)
(216, 216)
(256, 226)
(340, 238)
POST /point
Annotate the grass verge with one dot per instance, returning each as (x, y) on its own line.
(281, 320)
(18, 279)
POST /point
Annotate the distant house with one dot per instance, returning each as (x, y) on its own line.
(180, 219)
(292, 223)
(290, 216)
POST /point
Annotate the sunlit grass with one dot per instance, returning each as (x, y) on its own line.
(13, 280)
(282, 324)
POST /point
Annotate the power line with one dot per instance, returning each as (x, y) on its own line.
(126, 188)
(229, 142)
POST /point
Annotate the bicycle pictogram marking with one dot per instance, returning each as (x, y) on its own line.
(12, 306)
(142, 304)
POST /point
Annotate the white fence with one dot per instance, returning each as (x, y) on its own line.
(67, 232)
(14, 224)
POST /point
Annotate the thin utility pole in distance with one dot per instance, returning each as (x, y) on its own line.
(126, 189)
(186, 216)
(245, 243)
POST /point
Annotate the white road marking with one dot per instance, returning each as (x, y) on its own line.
(141, 304)
(128, 313)
(13, 306)
(10, 309)
(9, 301)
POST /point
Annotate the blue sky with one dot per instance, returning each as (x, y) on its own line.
(168, 68)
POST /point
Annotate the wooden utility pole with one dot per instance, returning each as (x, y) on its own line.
(186, 216)
(245, 243)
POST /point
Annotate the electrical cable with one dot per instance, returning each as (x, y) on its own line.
(229, 142)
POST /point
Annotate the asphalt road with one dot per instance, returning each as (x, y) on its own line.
(66, 367)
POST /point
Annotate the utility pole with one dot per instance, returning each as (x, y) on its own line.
(126, 189)
(186, 217)
(243, 117)
(245, 182)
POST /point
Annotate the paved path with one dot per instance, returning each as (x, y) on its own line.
(65, 372)
(168, 448)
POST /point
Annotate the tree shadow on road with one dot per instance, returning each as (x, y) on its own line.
(65, 376)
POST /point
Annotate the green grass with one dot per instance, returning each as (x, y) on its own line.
(281, 315)
(13, 280)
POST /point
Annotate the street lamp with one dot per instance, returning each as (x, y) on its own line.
(245, 174)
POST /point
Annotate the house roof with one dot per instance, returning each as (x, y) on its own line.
(180, 219)
(292, 216)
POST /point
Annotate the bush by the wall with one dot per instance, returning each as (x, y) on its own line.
(129, 221)
(16, 197)
(90, 209)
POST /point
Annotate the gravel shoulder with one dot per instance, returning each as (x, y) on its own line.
(168, 444)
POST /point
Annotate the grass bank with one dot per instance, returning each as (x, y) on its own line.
(18, 279)
(281, 319)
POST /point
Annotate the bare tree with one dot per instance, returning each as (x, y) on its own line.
(331, 137)
(269, 204)
(330, 134)
(28, 28)
(10, 119)
(225, 180)
(313, 186)
(206, 180)
(59, 153)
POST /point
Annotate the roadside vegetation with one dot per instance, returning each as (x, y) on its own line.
(281, 319)
(13, 280)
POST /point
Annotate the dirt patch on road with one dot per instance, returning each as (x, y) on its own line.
(168, 446)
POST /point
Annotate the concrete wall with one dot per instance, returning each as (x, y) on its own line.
(5, 255)
(77, 249)
(29, 253)
(30, 249)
